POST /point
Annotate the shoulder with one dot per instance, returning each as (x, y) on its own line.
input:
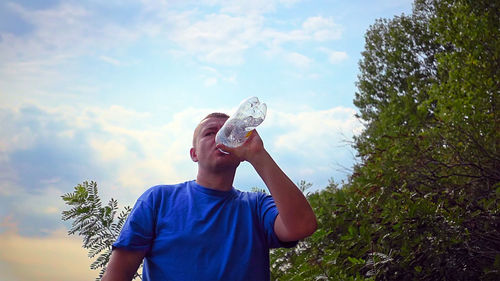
(162, 188)
(160, 192)
(255, 198)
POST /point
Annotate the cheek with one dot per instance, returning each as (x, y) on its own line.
(205, 144)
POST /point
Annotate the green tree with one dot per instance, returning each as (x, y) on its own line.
(428, 93)
(99, 226)
(423, 202)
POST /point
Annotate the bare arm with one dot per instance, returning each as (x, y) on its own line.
(296, 219)
(122, 265)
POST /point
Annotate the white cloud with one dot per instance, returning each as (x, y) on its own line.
(60, 36)
(249, 6)
(55, 30)
(109, 150)
(245, 6)
(224, 39)
(142, 154)
(218, 38)
(68, 31)
(116, 140)
(334, 57)
(318, 133)
(298, 60)
(312, 29)
(322, 29)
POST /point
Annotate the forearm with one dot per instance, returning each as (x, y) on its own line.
(122, 265)
(115, 274)
(295, 214)
(112, 275)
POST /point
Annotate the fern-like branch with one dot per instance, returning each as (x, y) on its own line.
(99, 226)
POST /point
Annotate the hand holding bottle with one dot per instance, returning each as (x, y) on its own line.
(251, 149)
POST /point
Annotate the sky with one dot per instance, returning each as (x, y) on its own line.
(111, 91)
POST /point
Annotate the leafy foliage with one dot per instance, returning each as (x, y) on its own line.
(257, 189)
(424, 201)
(95, 223)
(320, 257)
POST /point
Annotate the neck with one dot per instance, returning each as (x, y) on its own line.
(222, 181)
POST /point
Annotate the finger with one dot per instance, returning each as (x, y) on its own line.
(224, 148)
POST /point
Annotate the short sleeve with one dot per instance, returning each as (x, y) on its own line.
(138, 231)
(268, 214)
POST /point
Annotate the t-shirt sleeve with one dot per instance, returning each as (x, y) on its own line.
(138, 231)
(269, 212)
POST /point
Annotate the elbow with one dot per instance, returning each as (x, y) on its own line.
(296, 229)
(308, 227)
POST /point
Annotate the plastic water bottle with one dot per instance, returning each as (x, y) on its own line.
(239, 126)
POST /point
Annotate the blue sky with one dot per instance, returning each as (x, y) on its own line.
(111, 91)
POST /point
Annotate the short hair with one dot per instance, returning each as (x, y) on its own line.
(216, 115)
(211, 115)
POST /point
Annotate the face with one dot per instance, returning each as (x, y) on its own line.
(204, 151)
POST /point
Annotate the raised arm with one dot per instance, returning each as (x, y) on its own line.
(296, 219)
(122, 265)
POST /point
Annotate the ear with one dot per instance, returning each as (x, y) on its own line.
(192, 152)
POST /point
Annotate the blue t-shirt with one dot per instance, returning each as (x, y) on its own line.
(190, 232)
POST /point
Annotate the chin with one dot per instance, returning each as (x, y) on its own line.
(228, 163)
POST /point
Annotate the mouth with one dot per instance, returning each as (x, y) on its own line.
(222, 152)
